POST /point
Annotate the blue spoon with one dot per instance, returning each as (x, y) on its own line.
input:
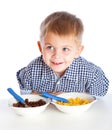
(16, 96)
(48, 95)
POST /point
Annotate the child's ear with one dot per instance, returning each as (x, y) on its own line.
(39, 46)
(80, 49)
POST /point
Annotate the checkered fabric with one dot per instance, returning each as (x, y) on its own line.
(81, 76)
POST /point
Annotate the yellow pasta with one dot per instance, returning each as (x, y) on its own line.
(74, 102)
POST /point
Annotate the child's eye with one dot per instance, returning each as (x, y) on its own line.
(50, 47)
(66, 49)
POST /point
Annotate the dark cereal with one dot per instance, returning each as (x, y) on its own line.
(30, 103)
(18, 104)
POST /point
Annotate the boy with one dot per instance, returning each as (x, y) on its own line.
(60, 68)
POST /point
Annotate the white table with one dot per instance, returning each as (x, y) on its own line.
(98, 117)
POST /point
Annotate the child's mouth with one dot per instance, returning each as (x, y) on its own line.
(57, 63)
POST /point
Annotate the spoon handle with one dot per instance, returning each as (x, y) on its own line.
(45, 94)
(16, 96)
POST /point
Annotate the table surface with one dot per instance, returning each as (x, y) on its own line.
(98, 117)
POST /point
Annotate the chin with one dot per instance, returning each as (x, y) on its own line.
(60, 73)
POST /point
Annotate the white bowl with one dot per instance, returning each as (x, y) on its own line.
(29, 111)
(77, 108)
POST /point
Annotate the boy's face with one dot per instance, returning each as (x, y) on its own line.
(59, 51)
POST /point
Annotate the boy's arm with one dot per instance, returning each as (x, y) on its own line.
(24, 80)
(99, 84)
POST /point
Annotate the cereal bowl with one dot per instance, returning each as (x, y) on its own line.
(78, 102)
(39, 105)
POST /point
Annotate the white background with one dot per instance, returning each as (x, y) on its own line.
(19, 32)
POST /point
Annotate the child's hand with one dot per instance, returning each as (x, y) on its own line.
(55, 93)
(39, 93)
(34, 93)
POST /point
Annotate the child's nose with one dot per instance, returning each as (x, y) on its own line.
(57, 53)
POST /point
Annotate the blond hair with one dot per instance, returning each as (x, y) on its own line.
(62, 23)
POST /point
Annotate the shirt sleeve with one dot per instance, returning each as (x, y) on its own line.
(99, 84)
(24, 80)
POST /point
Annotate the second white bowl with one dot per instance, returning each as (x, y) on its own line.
(77, 108)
